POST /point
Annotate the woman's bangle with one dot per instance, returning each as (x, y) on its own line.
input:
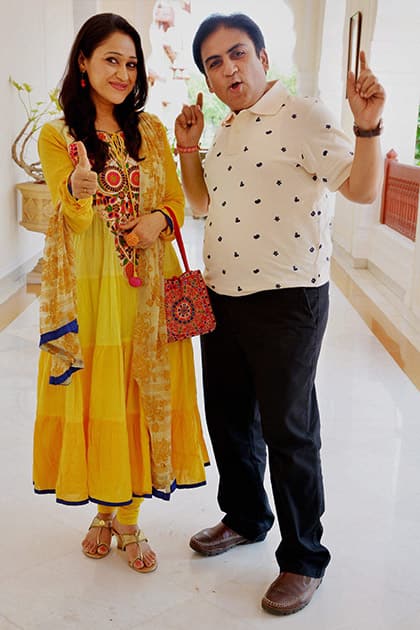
(193, 149)
(169, 222)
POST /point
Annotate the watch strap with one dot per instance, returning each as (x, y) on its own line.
(368, 133)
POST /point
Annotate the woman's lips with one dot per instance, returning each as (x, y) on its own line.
(119, 86)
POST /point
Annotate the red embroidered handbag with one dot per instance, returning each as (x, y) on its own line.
(187, 304)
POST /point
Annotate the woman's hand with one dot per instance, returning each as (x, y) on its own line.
(143, 231)
(83, 180)
(366, 96)
(189, 124)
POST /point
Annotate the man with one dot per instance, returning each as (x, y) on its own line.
(267, 248)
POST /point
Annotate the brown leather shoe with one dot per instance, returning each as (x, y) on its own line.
(218, 539)
(289, 593)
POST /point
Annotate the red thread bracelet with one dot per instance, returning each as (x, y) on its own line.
(187, 149)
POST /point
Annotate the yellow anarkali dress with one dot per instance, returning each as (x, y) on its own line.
(95, 438)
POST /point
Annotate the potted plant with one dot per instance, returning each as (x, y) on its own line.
(36, 200)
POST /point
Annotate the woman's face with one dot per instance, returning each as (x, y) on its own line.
(111, 69)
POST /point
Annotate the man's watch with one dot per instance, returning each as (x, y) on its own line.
(369, 133)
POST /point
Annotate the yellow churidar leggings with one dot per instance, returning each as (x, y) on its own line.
(126, 514)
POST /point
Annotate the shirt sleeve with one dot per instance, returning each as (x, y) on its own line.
(327, 152)
(57, 167)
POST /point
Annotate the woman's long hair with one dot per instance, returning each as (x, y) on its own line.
(76, 102)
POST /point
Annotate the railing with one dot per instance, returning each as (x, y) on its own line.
(400, 196)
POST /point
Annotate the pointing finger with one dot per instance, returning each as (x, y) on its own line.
(199, 101)
(362, 58)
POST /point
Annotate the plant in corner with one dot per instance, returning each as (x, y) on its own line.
(37, 206)
(36, 114)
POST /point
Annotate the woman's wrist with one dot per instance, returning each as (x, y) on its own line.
(168, 221)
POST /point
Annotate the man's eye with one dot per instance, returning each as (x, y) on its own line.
(239, 53)
(214, 64)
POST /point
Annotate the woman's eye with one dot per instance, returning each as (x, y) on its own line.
(111, 60)
(132, 65)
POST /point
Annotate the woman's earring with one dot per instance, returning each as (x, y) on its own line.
(83, 83)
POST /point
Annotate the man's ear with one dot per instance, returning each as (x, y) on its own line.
(264, 59)
(209, 84)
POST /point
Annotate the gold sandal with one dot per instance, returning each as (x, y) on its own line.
(127, 539)
(99, 523)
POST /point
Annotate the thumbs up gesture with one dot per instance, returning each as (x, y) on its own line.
(83, 180)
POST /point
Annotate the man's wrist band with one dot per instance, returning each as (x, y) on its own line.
(369, 133)
(193, 149)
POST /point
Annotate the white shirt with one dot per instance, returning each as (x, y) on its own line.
(268, 174)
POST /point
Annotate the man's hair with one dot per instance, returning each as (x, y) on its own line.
(215, 21)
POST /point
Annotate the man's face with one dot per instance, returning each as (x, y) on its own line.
(234, 71)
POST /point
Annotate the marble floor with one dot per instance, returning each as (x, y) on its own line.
(371, 457)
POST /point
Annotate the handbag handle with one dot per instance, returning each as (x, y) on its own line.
(178, 237)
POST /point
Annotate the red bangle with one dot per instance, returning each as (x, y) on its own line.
(187, 149)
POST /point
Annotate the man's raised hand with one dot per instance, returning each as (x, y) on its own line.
(189, 124)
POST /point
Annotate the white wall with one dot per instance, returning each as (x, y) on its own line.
(35, 38)
(390, 37)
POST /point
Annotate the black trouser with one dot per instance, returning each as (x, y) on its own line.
(259, 369)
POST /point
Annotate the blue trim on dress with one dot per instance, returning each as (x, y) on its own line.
(109, 503)
(155, 493)
(62, 502)
(59, 380)
(71, 327)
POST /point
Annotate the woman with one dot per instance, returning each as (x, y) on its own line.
(117, 417)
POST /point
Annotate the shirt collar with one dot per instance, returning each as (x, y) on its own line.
(268, 105)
